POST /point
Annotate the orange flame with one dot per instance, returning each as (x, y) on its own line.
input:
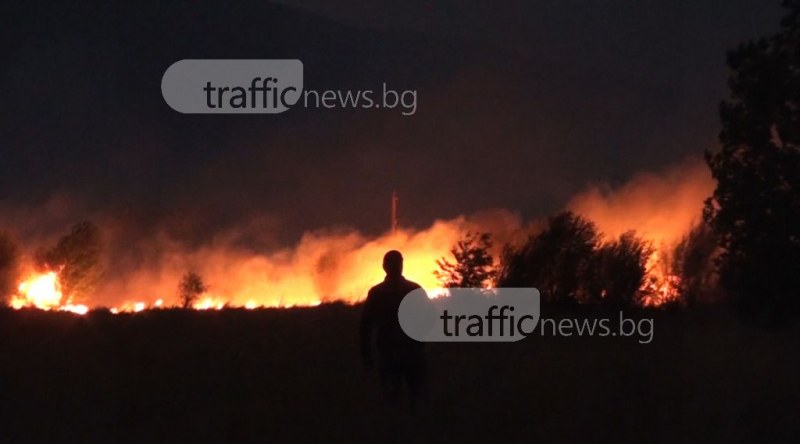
(660, 286)
(43, 291)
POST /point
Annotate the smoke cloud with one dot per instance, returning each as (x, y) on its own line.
(661, 206)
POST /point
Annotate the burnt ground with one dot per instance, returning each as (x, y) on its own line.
(294, 375)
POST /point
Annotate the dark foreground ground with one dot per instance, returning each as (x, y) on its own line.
(294, 375)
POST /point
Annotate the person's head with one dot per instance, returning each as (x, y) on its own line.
(393, 263)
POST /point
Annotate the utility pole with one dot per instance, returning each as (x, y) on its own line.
(394, 211)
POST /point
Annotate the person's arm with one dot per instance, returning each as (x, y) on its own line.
(365, 331)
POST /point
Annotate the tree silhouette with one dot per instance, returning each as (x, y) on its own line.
(557, 261)
(190, 288)
(694, 264)
(9, 266)
(76, 258)
(473, 266)
(755, 209)
(619, 270)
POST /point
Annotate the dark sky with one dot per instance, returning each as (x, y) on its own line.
(521, 104)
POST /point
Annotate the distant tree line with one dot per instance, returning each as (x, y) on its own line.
(570, 263)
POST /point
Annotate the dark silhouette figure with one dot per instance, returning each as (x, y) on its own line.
(400, 358)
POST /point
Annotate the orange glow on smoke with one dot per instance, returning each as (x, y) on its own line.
(322, 267)
(662, 208)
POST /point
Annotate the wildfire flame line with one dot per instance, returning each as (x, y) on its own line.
(327, 266)
(43, 291)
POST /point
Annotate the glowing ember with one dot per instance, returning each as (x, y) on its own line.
(136, 306)
(209, 303)
(77, 309)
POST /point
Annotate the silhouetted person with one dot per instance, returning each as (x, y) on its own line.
(400, 358)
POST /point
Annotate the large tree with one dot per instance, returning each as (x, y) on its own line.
(755, 208)
(77, 260)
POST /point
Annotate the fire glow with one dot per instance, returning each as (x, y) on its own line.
(341, 266)
(43, 291)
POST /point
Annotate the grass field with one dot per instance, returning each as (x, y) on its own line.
(295, 375)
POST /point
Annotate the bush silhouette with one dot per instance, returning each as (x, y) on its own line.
(473, 266)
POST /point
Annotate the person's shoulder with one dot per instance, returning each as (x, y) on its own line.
(376, 289)
(412, 285)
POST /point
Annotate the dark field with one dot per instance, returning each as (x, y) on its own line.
(295, 375)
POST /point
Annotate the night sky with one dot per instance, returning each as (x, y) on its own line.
(520, 105)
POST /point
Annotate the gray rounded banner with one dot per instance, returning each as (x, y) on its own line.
(470, 314)
(232, 86)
